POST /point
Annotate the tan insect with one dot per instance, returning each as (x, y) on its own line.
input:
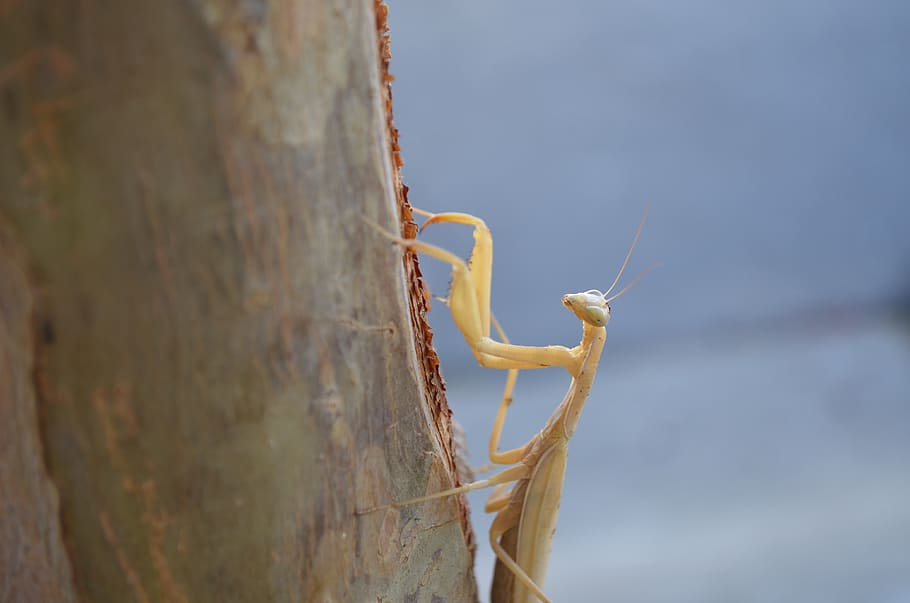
(522, 531)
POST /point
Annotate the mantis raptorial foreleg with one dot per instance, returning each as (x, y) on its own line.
(469, 301)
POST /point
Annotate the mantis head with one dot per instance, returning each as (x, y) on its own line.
(593, 307)
(590, 306)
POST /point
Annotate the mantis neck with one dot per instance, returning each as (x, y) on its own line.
(593, 344)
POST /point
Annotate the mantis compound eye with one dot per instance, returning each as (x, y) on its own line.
(597, 315)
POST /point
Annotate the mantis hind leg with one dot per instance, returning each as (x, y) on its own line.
(503, 477)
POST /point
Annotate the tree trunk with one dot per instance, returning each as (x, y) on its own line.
(206, 354)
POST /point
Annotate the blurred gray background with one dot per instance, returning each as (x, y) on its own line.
(748, 436)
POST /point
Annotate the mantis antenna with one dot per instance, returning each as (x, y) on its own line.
(623, 268)
(625, 262)
(634, 280)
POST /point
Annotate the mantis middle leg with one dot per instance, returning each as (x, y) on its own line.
(507, 457)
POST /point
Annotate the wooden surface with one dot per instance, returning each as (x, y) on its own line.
(221, 352)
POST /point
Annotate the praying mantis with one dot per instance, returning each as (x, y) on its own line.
(522, 531)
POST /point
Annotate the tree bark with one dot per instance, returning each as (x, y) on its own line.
(206, 352)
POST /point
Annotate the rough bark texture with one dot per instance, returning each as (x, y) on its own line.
(218, 350)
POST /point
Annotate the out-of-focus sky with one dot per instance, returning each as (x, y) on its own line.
(748, 437)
